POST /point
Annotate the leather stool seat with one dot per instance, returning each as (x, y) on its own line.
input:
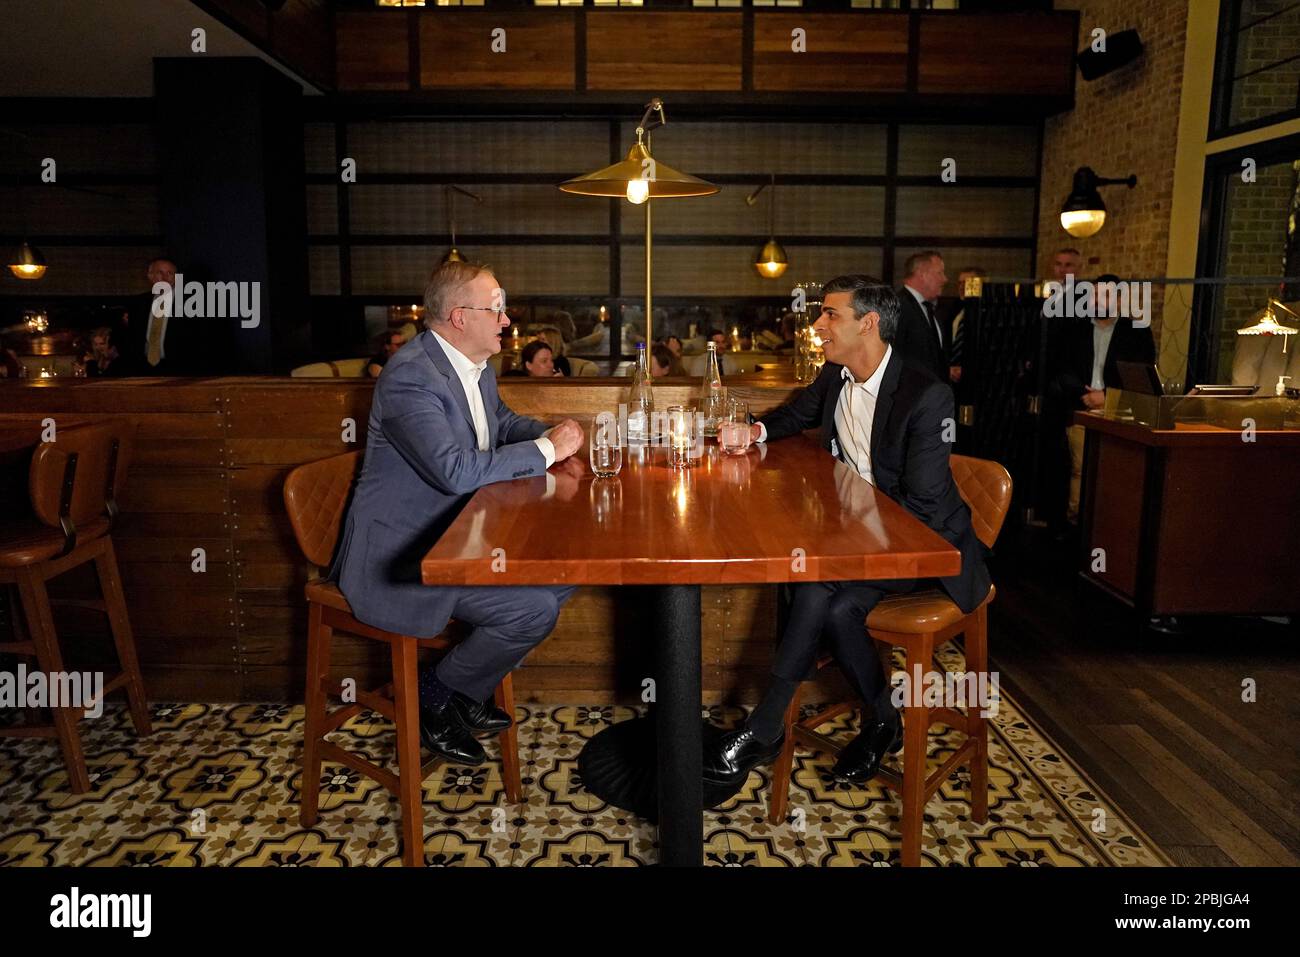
(917, 613)
(28, 541)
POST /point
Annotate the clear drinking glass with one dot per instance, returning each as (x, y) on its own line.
(733, 429)
(681, 437)
(606, 446)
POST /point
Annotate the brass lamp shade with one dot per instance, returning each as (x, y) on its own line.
(453, 256)
(771, 261)
(27, 262)
(663, 181)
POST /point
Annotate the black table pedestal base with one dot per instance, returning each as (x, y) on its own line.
(618, 766)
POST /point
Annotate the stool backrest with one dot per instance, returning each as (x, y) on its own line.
(986, 487)
(78, 476)
(316, 496)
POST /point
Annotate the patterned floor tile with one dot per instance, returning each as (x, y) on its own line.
(221, 785)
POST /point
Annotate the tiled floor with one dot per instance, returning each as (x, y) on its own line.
(219, 785)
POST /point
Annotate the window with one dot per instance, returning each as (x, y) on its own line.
(1252, 247)
(1257, 76)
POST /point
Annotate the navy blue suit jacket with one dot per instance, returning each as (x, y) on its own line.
(422, 464)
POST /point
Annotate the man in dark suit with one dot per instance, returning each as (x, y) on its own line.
(1087, 366)
(150, 342)
(438, 431)
(886, 418)
(922, 337)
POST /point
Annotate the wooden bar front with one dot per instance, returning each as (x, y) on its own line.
(210, 460)
(1193, 519)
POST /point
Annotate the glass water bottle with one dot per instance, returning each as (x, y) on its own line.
(640, 399)
(712, 395)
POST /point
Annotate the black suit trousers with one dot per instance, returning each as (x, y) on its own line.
(835, 613)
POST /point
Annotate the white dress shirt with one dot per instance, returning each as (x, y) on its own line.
(938, 330)
(1101, 336)
(854, 413)
(469, 374)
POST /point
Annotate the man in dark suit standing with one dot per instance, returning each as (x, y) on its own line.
(885, 418)
(150, 342)
(922, 337)
(1087, 366)
(438, 431)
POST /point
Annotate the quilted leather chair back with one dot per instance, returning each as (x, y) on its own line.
(986, 487)
(315, 496)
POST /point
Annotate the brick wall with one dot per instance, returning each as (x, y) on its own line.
(1125, 122)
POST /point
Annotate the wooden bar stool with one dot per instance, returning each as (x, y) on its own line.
(919, 622)
(316, 497)
(73, 484)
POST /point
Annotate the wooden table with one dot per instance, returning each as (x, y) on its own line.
(784, 512)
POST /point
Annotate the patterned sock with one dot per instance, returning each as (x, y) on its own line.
(434, 695)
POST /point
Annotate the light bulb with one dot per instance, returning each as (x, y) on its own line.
(638, 191)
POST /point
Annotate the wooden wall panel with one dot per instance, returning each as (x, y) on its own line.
(845, 52)
(663, 51)
(1022, 53)
(373, 52)
(238, 631)
(456, 50)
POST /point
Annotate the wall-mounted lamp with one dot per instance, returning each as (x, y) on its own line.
(771, 260)
(453, 254)
(27, 262)
(1083, 212)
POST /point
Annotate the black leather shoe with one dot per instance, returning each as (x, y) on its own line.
(736, 754)
(442, 733)
(479, 716)
(859, 762)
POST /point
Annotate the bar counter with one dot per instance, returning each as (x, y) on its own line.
(1196, 517)
(206, 473)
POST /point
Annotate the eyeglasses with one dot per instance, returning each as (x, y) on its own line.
(499, 312)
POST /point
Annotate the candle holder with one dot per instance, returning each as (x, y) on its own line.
(682, 437)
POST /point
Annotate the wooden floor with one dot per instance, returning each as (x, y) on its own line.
(1157, 721)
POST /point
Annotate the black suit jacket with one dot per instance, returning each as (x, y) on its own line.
(1073, 370)
(916, 339)
(192, 346)
(909, 458)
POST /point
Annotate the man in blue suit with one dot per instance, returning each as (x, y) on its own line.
(438, 431)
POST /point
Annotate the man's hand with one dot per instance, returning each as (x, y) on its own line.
(954, 373)
(754, 433)
(1094, 398)
(567, 437)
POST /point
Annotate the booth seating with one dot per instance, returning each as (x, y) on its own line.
(338, 369)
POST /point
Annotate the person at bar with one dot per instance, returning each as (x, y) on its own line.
(151, 342)
(1088, 365)
(438, 431)
(663, 362)
(921, 334)
(537, 361)
(389, 343)
(885, 417)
